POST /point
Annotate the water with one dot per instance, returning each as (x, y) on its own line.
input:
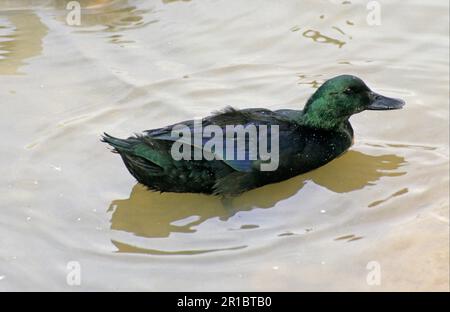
(136, 65)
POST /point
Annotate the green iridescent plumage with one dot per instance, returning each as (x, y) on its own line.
(308, 139)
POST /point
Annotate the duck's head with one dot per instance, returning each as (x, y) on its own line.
(342, 96)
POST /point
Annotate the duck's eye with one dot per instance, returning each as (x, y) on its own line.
(349, 91)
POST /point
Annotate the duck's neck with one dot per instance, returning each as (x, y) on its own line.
(321, 114)
(322, 120)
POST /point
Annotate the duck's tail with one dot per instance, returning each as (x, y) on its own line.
(139, 157)
(119, 145)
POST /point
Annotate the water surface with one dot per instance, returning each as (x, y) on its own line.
(136, 65)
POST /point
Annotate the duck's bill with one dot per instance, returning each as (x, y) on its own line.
(381, 102)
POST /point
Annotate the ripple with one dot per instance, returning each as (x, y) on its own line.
(318, 37)
(381, 201)
(126, 248)
(348, 238)
(117, 17)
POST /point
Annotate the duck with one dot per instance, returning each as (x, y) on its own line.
(173, 159)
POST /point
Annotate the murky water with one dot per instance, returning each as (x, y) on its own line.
(135, 65)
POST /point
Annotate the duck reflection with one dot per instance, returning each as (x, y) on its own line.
(151, 214)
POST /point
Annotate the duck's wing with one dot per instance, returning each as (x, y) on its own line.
(226, 120)
(292, 114)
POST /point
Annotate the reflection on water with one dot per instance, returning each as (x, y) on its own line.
(110, 16)
(309, 80)
(320, 38)
(355, 170)
(398, 193)
(127, 248)
(115, 18)
(348, 238)
(20, 39)
(151, 214)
